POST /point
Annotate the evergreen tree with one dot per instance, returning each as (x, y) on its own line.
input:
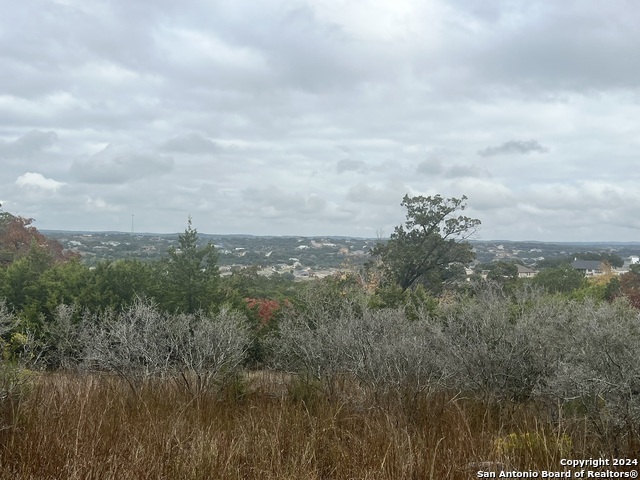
(191, 275)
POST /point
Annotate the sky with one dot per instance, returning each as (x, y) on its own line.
(316, 117)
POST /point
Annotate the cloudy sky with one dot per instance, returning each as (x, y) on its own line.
(315, 117)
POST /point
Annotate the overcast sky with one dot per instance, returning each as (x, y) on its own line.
(315, 117)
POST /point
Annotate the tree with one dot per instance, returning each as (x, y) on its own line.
(20, 285)
(118, 284)
(17, 236)
(562, 279)
(191, 275)
(503, 272)
(629, 285)
(431, 247)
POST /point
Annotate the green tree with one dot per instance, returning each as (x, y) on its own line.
(21, 286)
(551, 263)
(503, 272)
(66, 283)
(117, 284)
(430, 248)
(191, 275)
(562, 279)
(21, 279)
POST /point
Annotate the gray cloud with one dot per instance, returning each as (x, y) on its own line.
(460, 171)
(562, 47)
(387, 194)
(28, 144)
(348, 165)
(119, 165)
(430, 167)
(272, 201)
(436, 168)
(517, 147)
(252, 98)
(192, 143)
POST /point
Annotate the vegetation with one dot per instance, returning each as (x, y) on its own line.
(18, 236)
(78, 426)
(190, 274)
(164, 369)
(561, 279)
(430, 248)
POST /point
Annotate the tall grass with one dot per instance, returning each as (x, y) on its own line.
(90, 426)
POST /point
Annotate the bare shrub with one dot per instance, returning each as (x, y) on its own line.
(142, 342)
(396, 352)
(64, 349)
(522, 346)
(599, 371)
(134, 343)
(501, 347)
(580, 355)
(209, 349)
(381, 348)
(310, 342)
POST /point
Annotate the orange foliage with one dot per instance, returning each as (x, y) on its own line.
(17, 235)
(264, 308)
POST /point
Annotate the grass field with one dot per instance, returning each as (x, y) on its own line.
(267, 426)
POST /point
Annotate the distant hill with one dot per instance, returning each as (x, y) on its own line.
(307, 252)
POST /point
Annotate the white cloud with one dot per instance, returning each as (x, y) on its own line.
(38, 181)
(98, 205)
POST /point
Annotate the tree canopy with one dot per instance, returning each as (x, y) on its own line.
(430, 248)
(562, 279)
(502, 272)
(191, 274)
(17, 236)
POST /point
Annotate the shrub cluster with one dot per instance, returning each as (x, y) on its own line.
(579, 355)
(526, 345)
(140, 342)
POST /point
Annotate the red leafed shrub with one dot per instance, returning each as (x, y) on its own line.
(264, 308)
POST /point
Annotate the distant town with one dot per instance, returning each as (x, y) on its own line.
(302, 258)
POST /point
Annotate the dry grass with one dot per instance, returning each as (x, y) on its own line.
(84, 427)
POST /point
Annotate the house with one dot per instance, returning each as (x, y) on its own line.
(525, 272)
(589, 267)
(628, 263)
